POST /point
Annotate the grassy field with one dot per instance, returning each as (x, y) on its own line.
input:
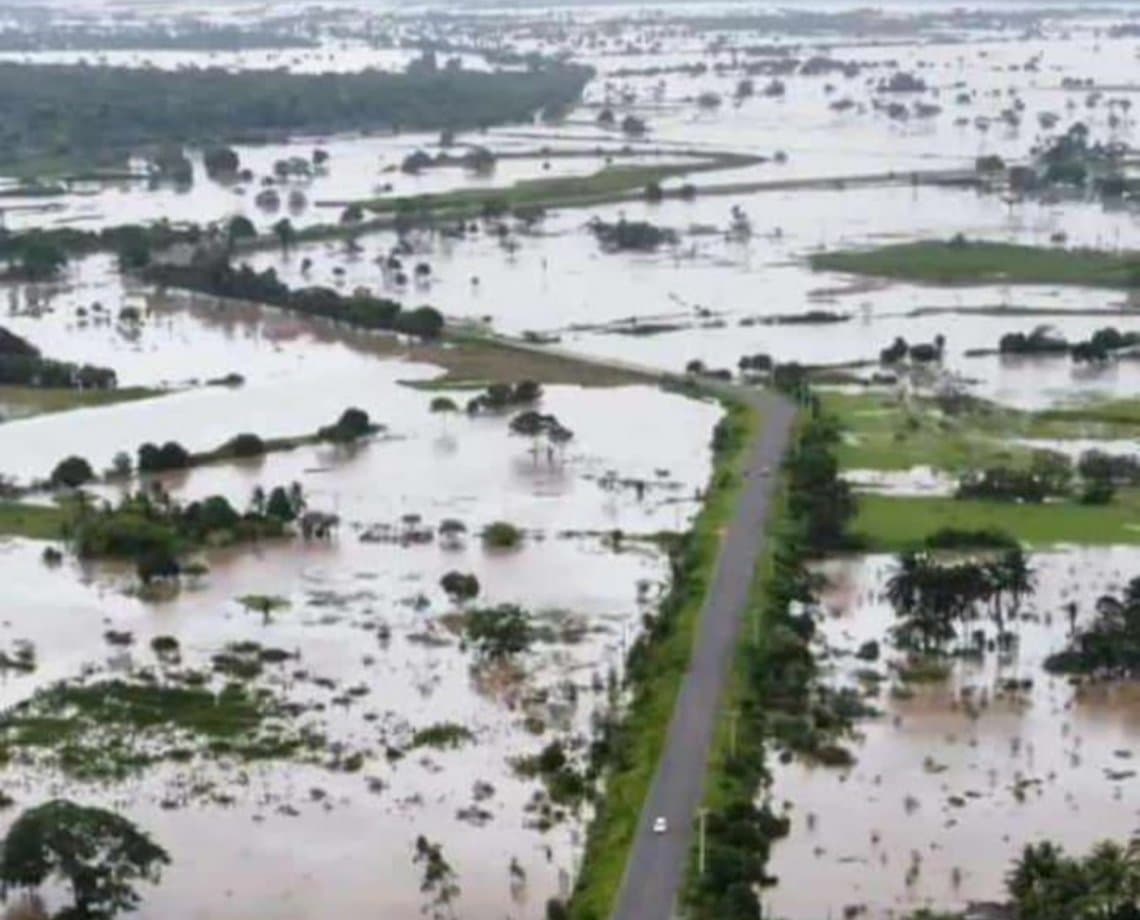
(611, 183)
(883, 433)
(34, 522)
(24, 402)
(889, 523)
(644, 729)
(470, 361)
(968, 263)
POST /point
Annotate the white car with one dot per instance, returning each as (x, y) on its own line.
(660, 826)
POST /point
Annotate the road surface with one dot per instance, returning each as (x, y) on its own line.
(658, 862)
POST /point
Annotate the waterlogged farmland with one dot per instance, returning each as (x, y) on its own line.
(378, 389)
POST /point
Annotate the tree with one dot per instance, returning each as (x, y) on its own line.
(41, 260)
(121, 464)
(818, 497)
(279, 506)
(353, 423)
(285, 233)
(1017, 578)
(72, 472)
(1045, 884)
(460, 587)
(221, 161)
(439, 878)
(240, 228)
(158, 563)
(98, 853)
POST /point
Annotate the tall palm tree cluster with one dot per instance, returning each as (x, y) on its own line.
(1110, 645)
(1046, 884)
(932, 598)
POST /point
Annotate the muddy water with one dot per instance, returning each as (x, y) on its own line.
(340, 595)
(936, 782)
(715, 292)
(346, 594)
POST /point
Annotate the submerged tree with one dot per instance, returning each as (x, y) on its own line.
(1045, 884)
(439, 879)
(99, 854)
(932, 599)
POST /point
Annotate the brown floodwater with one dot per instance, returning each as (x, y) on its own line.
(950, 784)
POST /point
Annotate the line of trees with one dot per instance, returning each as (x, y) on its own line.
(934, 600)
(1110, 644)
(783, 705)
(218, 277)
(82, 111)
(21, 364)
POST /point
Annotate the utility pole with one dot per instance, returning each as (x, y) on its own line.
(702, 814)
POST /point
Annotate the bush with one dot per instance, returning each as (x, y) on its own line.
(171, 456)
(124, 534)
(502, 535)
(460, 586)
(244, 445)
(353, 423)
(962, 538)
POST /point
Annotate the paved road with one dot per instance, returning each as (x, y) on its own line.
(658, 862)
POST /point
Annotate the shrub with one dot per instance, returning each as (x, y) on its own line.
(244, 445)
(171, 456)
(353, 423)
(460, 586)
(502, 535)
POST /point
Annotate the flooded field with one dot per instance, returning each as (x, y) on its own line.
(366, 612)
(408, 710)
(953, 778)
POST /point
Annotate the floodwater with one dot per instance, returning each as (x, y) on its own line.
(345, 595)
(951, 783)
(942, 794)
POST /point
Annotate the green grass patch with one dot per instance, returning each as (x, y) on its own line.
(112, 728)
(961, 262)
(659, 671)
(18, 402)
(884, 433)
(890, 523)
(611, 183)
(33, 522)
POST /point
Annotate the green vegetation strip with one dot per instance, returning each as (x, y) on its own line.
(17, 402)
(962, 262)
(657, 666)
(890, 523)
(112, 728)
(611, 183)
(776, 705)
(33, 522)
(883, 432)
(196, 105)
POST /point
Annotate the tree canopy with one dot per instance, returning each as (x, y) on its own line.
(99, 854)
(75, 110)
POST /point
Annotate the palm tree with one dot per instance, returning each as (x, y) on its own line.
(1020, 580)
(297, 497)
(902, 586)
